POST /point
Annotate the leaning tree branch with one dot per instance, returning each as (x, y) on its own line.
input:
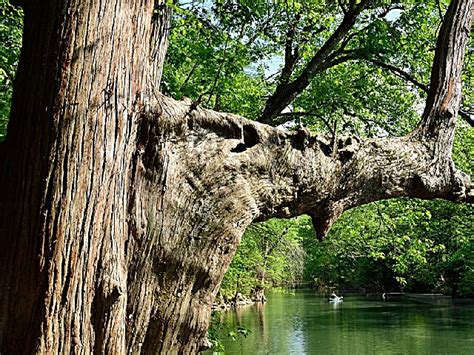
(291, 52)
(285, 93)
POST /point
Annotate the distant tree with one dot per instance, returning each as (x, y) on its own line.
(270, 254)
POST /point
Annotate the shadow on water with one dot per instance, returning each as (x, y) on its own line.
(305, 323)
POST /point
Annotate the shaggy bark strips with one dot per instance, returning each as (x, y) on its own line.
(122, 208)
(83, 74)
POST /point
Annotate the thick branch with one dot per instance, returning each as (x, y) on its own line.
(452, 37)
(291, 53)
(286, 93)
(444, 95)
(285, 174)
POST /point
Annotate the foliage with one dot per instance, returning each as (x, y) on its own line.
(397, 244)
(208, 63)
(218, 327)
(11, 22)
(230, 55)
(270, 254)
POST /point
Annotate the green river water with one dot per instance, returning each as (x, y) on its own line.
(304, 322)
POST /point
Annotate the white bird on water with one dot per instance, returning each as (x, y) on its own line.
(335, 298)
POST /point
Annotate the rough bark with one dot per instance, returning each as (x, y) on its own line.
(123, 208)
(66, 174)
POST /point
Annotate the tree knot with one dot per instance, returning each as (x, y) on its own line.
(301, 138)
(250, 138)
(347, 147)
(323, 219)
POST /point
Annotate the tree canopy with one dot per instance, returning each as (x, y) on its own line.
(232, 56)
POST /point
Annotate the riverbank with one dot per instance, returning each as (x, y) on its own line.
(239, 300)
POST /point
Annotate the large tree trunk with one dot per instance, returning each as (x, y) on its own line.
(121, 209)
(69, 171)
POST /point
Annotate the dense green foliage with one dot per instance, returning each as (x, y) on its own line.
(11, 21)
(400, 244)
(229, 56)
(403, 244)
(270, 254)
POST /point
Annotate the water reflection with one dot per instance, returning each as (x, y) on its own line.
(305, 323)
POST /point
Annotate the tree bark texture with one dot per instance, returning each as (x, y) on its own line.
(121, 208)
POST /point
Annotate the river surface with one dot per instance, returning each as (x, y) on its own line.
(303, 322)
